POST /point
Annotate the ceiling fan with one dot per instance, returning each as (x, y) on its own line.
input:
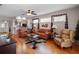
(29, 13)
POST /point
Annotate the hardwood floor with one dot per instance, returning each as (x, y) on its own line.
(42, 48)
(46, 48)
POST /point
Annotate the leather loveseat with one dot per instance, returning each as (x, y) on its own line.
(44, 33)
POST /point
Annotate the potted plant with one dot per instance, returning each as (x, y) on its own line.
(77, 32)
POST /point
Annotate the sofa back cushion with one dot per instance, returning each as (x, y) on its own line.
(43, 30)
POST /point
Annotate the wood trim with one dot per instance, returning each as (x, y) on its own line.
(66, 23)
(51, 24)
(59, 15)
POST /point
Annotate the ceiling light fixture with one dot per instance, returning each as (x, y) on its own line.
(29, 14)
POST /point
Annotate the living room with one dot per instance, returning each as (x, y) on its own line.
(39, 29)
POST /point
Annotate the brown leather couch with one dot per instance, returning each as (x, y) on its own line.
(44, 33)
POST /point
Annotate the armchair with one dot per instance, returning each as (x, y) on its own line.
(65, 38)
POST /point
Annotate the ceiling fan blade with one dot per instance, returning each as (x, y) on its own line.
(33, 13)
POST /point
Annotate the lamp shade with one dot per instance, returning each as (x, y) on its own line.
(54, 26)
(18, 17)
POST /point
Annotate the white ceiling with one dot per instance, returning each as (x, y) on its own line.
(12, 10)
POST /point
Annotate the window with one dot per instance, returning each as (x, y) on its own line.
(45, 20)
(35, 23)
(45, 23)
(60, 19)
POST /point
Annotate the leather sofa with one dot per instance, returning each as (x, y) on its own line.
(44, 33)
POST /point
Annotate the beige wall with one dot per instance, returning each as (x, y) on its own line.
(73, 16)
(72, 13)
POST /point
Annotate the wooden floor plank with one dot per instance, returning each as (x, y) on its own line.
(47, 48)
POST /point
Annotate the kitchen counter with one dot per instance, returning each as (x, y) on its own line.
(7, 46)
